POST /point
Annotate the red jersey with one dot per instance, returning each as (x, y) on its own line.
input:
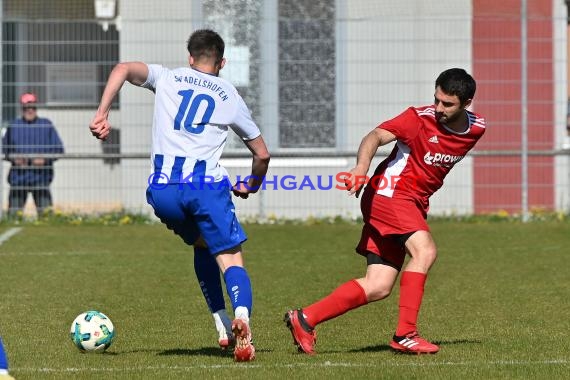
(425, 152)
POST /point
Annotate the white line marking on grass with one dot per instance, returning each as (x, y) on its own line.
(293, 365)
(9, 233)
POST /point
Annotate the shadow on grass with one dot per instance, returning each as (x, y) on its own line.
(203, 351)
(377, 348)
(386, 347)
(458, 341)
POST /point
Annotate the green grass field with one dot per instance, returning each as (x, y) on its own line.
(497, 301)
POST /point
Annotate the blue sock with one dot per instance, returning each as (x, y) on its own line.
(3, 359)
(238, 287)
(208, 274)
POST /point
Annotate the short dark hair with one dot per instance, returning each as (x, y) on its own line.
(206, 44)
(457, 82)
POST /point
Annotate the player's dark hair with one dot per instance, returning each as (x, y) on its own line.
(206, 44)
(457, 82)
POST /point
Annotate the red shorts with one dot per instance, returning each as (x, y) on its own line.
(385, 220)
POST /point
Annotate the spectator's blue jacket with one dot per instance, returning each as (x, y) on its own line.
(22, 137)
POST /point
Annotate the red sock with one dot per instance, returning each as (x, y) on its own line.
(348, 296)
(411, 294)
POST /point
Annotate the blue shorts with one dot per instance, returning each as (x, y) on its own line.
(193, 212)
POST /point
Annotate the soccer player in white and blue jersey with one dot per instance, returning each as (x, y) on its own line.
(188, 189)
(4, 375)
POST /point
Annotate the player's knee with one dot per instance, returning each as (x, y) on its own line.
(432, 255)
(378, 292)
(427, 256)
(377, 295)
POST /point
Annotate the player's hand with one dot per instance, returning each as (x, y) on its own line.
(240, 189)
(38, 161)
(20, 162)
(100, 127)
(355, 181)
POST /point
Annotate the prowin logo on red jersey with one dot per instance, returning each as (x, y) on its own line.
(441, 159)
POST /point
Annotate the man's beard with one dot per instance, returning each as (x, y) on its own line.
(444, 119)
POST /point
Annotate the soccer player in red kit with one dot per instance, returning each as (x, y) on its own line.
(430, 140)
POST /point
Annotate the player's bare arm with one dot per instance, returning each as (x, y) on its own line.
(368, 147)
(133, 72)
(259, 165)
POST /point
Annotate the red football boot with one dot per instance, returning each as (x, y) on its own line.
(244, 350)
(413, 344)
(226, 341)
(304, 337)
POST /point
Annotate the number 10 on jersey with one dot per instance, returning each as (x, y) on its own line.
(188, 109)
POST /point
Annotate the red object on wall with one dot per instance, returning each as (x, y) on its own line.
(497, 69)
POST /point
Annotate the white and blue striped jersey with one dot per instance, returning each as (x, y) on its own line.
(192, 113)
